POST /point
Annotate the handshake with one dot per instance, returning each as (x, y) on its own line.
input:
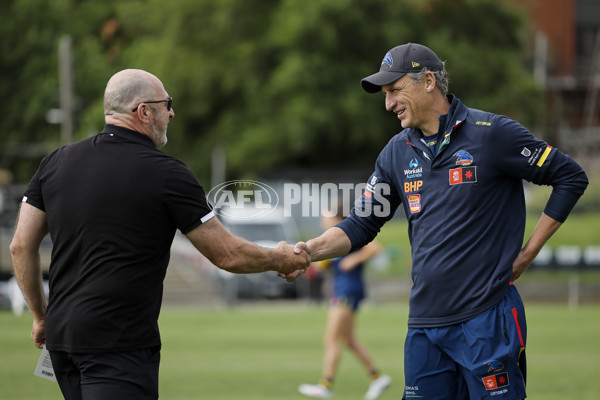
(240, 256)
(294, 260)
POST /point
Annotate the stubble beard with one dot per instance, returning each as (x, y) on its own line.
(159, 134)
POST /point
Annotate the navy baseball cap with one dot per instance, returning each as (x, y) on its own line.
(409, 57)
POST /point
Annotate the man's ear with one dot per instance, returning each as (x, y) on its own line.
(143, 112)
(429, 81)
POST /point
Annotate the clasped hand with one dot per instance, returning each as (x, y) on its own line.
(299, 263)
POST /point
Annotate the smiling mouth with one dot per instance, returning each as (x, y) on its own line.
(400, 113)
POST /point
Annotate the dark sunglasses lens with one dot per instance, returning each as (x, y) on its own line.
(169, 102)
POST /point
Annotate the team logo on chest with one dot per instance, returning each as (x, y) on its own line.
(463, 158)
(466, 173)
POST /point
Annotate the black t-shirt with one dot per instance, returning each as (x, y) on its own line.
(113, 203)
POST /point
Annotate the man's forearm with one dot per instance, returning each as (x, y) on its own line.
(332, 243)
(247, 257)
(544, 229)
(29, 275)
(24, 249)
(235, 254)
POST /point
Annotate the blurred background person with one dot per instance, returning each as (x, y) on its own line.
(348, 292)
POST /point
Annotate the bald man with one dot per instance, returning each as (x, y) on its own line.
(112, 204)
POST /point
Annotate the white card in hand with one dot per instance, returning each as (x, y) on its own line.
(44, 366)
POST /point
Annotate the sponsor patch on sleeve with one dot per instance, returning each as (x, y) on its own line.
(370, 189)
(536, 157)
(544, 156)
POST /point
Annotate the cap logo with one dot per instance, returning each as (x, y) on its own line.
(388, 59)
(415, 64)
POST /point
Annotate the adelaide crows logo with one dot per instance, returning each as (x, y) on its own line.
(463, 158)
(494, 365)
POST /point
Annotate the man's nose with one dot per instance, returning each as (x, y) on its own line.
(389, 102)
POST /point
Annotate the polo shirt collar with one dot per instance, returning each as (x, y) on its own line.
(448, 122)
(128, 134)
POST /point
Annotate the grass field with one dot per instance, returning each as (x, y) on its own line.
(264, 351)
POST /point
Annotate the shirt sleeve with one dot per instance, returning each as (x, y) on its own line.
(375, 206)
(33, 192)
(520, 154)
(186, 200)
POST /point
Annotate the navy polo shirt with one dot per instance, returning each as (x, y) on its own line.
(465, 207)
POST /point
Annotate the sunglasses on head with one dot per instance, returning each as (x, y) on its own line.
(169, 102)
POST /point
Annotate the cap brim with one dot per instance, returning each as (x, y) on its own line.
(373, 83)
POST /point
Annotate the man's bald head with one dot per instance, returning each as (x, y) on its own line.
(127, 88)
(129, 103)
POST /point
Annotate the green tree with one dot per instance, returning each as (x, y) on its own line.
(30, 31)
(274, 82)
